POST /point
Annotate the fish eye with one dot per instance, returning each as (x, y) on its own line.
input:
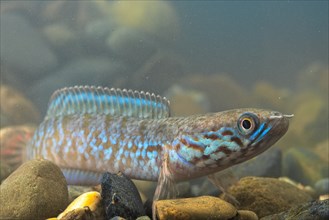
(247, 123)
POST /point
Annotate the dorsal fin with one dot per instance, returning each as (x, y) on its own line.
(103, 100)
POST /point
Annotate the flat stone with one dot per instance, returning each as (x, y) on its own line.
(203, 207)
(266, 196)
(23, 48)
(36, 190)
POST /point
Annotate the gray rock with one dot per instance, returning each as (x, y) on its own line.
(23, 48)
(315, 210)
(36, 190)
(268, 164)
(304, 166)
(132, 45)
(322, 186)
(100, 71)
(120, 197)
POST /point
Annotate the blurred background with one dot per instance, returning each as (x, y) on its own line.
(204, 56)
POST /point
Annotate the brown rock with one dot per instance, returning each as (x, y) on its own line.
(203, 207)
(36, 190)
(266, 196)
(15, 108)
(247, 215)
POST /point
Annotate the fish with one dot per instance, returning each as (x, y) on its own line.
(90, 130)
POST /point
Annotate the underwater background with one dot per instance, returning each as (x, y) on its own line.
(204, 56)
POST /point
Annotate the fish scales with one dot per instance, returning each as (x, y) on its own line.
(132, 132)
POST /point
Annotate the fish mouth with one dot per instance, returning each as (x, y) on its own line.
(271, 130)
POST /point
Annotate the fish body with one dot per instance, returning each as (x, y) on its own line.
(90, 130)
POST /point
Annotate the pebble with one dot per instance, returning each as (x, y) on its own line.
(36, 190)
(203, 207)
(131, 44)
(86, 206)
(247, 215)
(322, 186)
(266, 196)
(314, 210)
(19, 39)
(120, 197)
(76, 191)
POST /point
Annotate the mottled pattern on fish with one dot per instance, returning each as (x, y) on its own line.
(90, 130)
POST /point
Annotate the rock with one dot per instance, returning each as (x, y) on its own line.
(76, 191)
(266, 196)
(117, 218)
(308, 189)
(268, 96)
(84, 71)
(12, 147)
(311, 111)
(215, 86)
(268, 164)
(322, 150)
(131, 45)
(159, 18)
(143, 218)
(77, 214)
(15, 108)
(322, 186)
(36, 190)
(86, 206)
(304, 166)
(59, 35)
(5, 170)
(146, 188)
(315, 210)
(159, 72)
(184, 102)
(23, 48)
(247, 215)
(120, 197)
(203, 207)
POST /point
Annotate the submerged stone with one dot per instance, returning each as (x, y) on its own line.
(36, 190)
(266, 196)
(120, 197)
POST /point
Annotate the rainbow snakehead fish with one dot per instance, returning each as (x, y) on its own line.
(89, 130)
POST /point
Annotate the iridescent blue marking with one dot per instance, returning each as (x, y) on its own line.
(257, 132)
(107, 153)
(144, 153)
(262, 135)
(190, 141)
